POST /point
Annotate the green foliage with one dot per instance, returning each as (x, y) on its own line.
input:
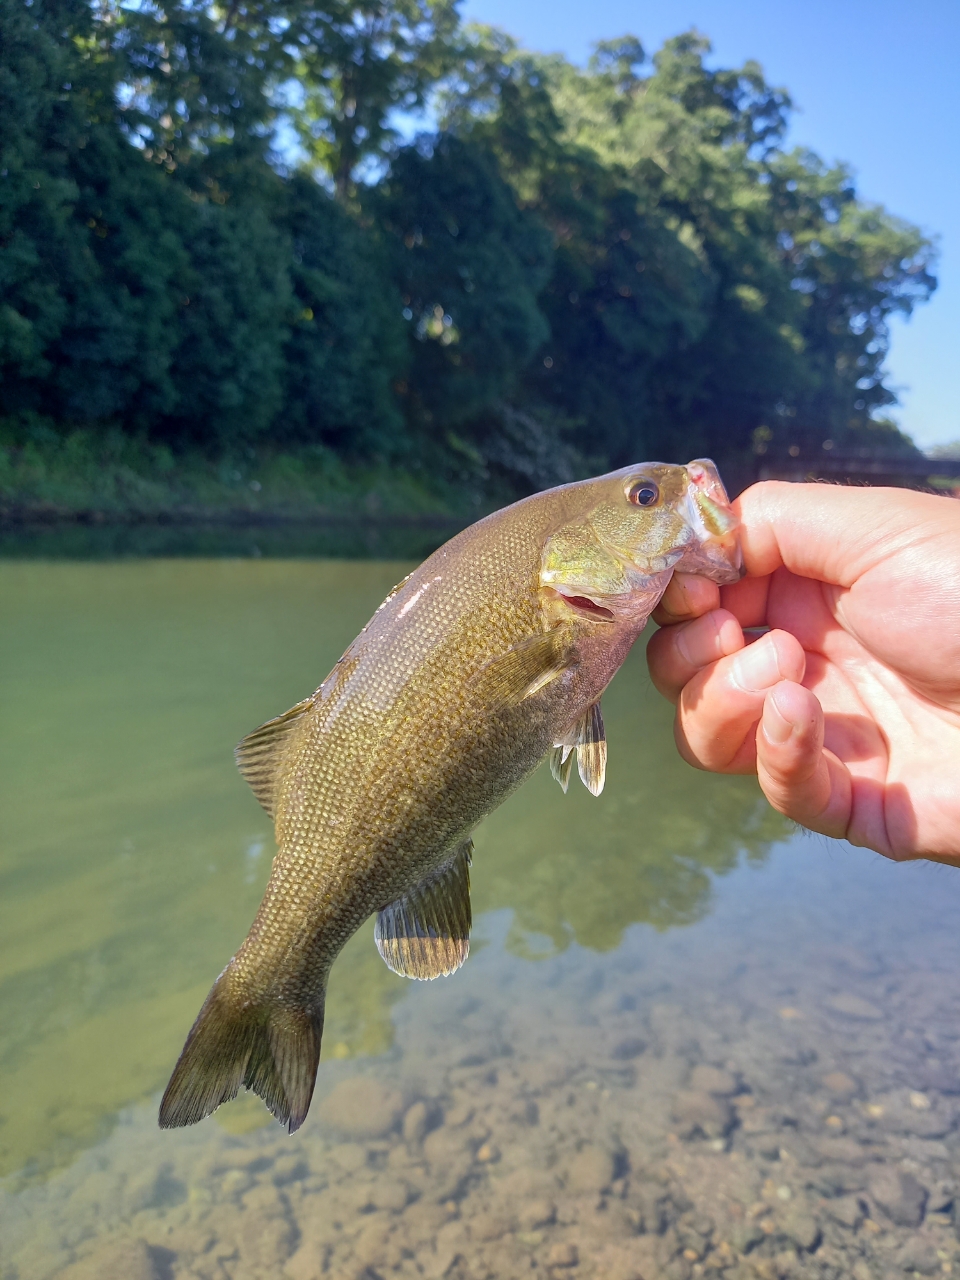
(358, 62)
(470, 265)
(581, 267)
(108, 475)
(853, 266)
(129, 300)
(706, 287)
(235, 301)
(346, 348)
(196, 79)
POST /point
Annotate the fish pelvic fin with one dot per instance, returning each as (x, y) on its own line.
(586, 739)
(274, 1051)
(426, 933)
(592, 750)
(261, 753)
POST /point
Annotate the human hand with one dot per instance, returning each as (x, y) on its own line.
(848, 710)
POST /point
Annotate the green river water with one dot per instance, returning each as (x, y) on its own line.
(132, 861)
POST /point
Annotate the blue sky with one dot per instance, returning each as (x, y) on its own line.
(876, 83)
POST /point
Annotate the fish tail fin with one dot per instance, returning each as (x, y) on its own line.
(272, 1050)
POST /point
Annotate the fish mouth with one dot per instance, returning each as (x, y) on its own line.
(716, 553)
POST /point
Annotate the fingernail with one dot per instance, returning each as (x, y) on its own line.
(776, 727)
(757, 667)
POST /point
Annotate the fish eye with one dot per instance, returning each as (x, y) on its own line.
(644, 493)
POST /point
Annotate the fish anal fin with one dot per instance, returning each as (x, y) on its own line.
(528, 667)
(426, 933)
(273, 1051)
(260, 753)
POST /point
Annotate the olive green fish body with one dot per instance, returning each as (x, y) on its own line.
(491, 655)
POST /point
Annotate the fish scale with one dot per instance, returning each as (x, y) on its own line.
(490, 655)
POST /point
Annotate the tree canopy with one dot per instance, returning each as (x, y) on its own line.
(218, 228)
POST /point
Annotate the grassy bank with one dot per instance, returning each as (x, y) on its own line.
(110, 478)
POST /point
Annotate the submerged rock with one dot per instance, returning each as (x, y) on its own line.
(117, 1260)
(589, 1170)
(706, 1079)
(702, 1114)
(362, 1107)
(840, 1084)
(901, 1197)
(851, 1006)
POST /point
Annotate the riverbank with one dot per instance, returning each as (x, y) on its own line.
(98, 479)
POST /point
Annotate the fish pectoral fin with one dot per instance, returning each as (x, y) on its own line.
(592, 750)
(528, 667)
(426, 933)
(587, 740)
(260, 754)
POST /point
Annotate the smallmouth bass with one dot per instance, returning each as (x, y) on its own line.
(490, 656)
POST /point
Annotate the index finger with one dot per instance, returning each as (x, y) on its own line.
(687, 596)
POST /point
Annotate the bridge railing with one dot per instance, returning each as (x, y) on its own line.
(910, 471)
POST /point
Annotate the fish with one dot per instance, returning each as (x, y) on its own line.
(489, 658)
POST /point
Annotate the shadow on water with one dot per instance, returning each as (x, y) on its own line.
(134, 857)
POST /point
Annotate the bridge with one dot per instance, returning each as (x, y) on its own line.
(863, 466)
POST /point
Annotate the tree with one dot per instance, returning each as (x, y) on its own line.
(852, 266)
(579, 268)
(347, 348)
(88, 250)
(677, 310)
(196, 78)
(469, 265)
(358, 62)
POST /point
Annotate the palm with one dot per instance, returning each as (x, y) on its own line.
(887, 673)
(849, 710)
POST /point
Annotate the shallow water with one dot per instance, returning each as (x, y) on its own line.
(687, 1042)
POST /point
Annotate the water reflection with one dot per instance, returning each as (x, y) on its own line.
(134, 858)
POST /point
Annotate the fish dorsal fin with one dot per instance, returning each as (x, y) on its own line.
(587, 738)
(260, 754)
(527, 667)
(426, 933)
